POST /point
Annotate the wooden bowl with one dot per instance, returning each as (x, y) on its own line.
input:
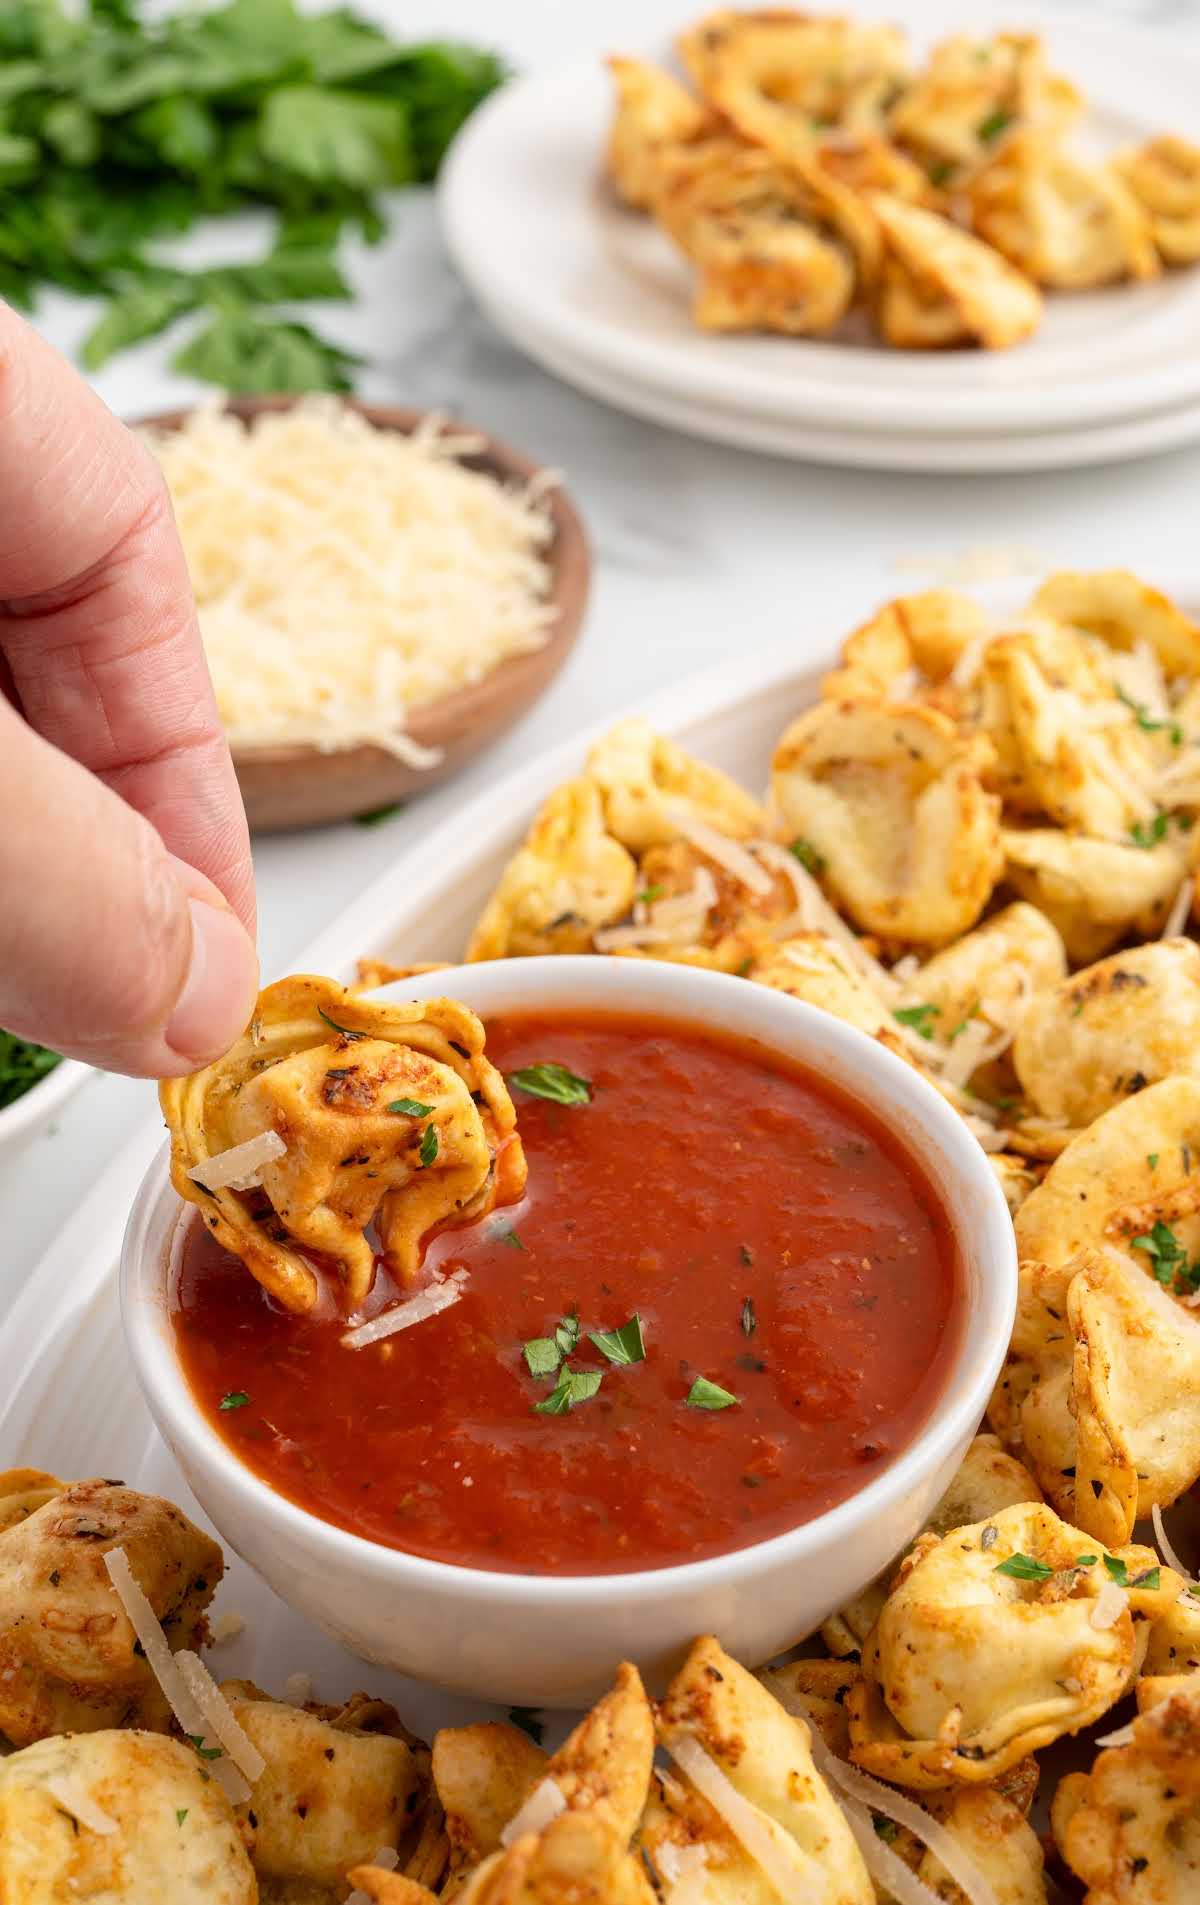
(298, 786)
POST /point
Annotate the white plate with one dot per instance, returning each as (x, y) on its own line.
(1057, 449)
(540, 239)
(70, 1403)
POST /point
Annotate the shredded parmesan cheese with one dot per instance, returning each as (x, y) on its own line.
(772, 1849)
(816, 915)
(1167, 1548)
(727, 853)
(542, 1807)
(402, 1316)
(347, 575)
(1181, 906)
(1122, 1736)
(238, 1168)
(221, 1722)
(1111, 1603)
(72, 1795)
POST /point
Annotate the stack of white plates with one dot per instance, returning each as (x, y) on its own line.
(599, 295)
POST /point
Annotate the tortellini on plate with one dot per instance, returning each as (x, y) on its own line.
(654, 114)
(911, 639)
(1130, 1829)
(1164, 177)
(649, 786)
(1125, 612)
(1096, 892)
(380, 1112)
(1068, 224)
(973, 91)
(995, 1640)
(892, 799)
(942, 286)
(570, 878)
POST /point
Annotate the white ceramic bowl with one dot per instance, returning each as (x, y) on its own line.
(21, 1121)
(553, 1642)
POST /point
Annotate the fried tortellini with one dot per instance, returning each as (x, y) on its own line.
(382, 1112)
(995, 1640)
(1130, 1829)
(1096, 892)
(1101, 1392)
(151, 1824)
(484, 1774)
(1164, 177)
(973, 91)
(893, 800)
(70, 1661)
(654, 114)
(569, 878)
(941, 286)
(23, 1491)
(1124, 612)
(648, 785)
(781, 77)
(910, 639)
(1066, 224)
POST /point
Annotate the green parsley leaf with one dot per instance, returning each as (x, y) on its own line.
(804, 851)
(1086, 1560)
(509, 1238)
(375, 816)
(919, 1017)
(22, 1066)
(247, 352)
(542, 1355)
(1146, 721)
(1117, 1569)
(429, 1145)
(941, 172)
(1149, 1578)
(1168, 1258)
(552, 1081)
(749, 1319)
(337, 140)
(181, 1814)
(1152, 1160)
(963, 1024)
(651, 893)
(1149, 833)
(574, 1385)
(236, 1399)
(339, 1029)
(1023, 1567)
(994, 124)
(567, 1333)
(205, 1752)
(149, 304)
(886, 1828)
(626, 1345)
(527, 1719)
(409, 1108)
(704, 1394)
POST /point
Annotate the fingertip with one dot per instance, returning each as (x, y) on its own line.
(219, 989)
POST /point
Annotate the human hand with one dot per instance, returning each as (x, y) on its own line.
(126, 888)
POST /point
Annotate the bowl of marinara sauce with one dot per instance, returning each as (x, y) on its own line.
(710, 1374)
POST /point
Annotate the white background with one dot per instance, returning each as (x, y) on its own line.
(701, 552)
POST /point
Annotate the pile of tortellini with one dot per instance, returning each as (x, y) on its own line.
(897, 1769)
(813, 170)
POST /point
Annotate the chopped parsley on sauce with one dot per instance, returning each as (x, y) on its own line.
(704, 1394)
(573, 1385)
(554, 1082)
(236, 1399)
(626, 1345)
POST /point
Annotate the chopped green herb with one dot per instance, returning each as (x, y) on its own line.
(1146, 721)
(22, 1065)
(509, 1239)
(1077, 1008)
(995, 123)
(1023, 1567)
(542, 1355)
(1086, 1560)
(1149, 833)
(1152, 1160)
(574, 1385)
(804, 851)
(552, 1081)
(1168, 1258)
(1149, 1578)
(743, 969)
(626, 1345)
(181, 1815)
(567, 1333)
(339, 1029)
(527, 1719)
(409, 1108)
(886, 1828)
(1117, 1569)
(919, 1017)
(963, 1023)
(704, 1394)
(941, 172)
(205, 1752)
(651, 893)
(749, 1319)
(236, 1399)
(375, 816)
(429, 1145)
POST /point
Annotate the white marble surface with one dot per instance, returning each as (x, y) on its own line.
(700, 551)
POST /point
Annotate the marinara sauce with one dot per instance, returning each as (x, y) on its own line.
(774, 1240)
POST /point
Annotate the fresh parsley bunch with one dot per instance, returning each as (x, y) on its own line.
(115, 131)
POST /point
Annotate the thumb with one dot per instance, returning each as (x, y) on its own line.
(111, 949)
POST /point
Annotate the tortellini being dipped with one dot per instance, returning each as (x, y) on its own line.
(1082, 1045)
(1068, 224)
(892, 799)
(570, 878)
(380, 1112)
(941, 286)
(122, 1816)
(1101, 1392)
(995, 1640)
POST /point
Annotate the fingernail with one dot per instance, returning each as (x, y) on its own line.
(218, 993)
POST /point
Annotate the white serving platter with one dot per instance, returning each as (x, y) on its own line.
(600, 296)
(68, 1400)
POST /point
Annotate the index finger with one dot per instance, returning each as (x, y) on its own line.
(97, 621)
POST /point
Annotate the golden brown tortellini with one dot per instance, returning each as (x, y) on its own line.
(1095, 891)
(653, 114)
(969, 998)
(912, 636)
(973, 91)
(568, 879)
(993, 1831)
(1164, 177)
(23, 1491)
(151, 1825)
(1017, 1176)
(1174, 1648)
(1130, 1829)
(714, 1706)
(332, 1792)
(1134, 1167)
(815, 1691)
(333, 1074)
(1136, 1015)
(693, 909)
(70, 1661)
(1101, 1392)
(987, 1480)
(1125, 612)
(483, 1774)
(893, 801)
(648, 786)
(996, 1639)
(941, 286)
(1068, 224)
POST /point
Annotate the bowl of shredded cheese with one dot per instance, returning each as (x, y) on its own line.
(381, 592)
